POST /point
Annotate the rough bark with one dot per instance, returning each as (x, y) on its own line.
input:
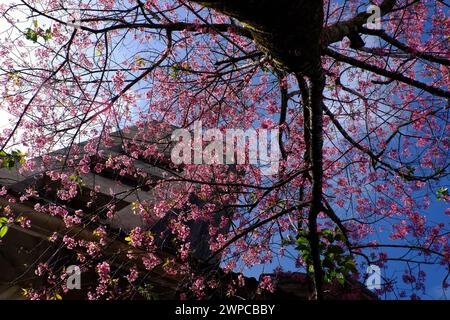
(316, 154)
(288, 31)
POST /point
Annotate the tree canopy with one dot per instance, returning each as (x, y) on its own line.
(361, 114)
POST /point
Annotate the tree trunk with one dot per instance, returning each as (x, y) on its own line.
(288, 31)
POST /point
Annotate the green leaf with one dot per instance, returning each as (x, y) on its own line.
(306, 256)
(31, 35)
(328, 234)
(442, 193)
(9, 162)
(147, 292)
(47, 35)
(340, 278)
(77, 179)
(167, 263)
(3, 231)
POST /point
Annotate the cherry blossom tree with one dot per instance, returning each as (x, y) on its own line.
(362, 114)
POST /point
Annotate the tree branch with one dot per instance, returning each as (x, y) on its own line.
(389, 74)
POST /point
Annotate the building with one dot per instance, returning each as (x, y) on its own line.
(23, 248)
